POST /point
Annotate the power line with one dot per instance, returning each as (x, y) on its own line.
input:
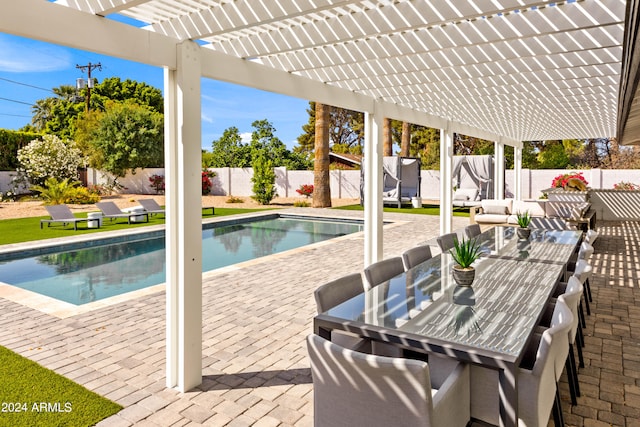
(18, 102)
(25, 84)
(14, 115)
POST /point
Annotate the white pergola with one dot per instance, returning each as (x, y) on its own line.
(501, 70)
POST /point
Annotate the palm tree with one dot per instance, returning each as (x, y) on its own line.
(321, 181)
(387, 136)
(42, 112)
(406, 139)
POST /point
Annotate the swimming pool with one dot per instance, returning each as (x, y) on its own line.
(79, 274)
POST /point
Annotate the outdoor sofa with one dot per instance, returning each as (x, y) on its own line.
(544, 213)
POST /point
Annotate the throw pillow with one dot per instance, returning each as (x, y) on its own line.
(494, 209)
(460, 196)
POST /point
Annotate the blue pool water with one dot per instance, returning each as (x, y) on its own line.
(83, 275)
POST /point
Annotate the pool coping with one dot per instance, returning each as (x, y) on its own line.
(62, 309)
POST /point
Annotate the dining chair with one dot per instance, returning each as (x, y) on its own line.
(414, 256)
(583, 272)
(353, 389)
(447, 241)
(336, 292)
(472, 230)
(381, 271)
(538, 395)
(571, 297)
(591, 236)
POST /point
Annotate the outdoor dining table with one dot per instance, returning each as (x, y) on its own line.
(488, 324)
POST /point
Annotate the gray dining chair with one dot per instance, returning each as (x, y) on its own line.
(538, 396)
(381, 271)
(414, 256)
(472, 230)
(352, 389)
(336, 292)
(447, 241)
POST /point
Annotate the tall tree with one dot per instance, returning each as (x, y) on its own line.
(405, 139)
(230, 151)
(321, 178)
(127, 136)
(346, 131)
(387, 137)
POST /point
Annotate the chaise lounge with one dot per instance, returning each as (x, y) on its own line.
(112, 211)
(151, 206)
(62, 213)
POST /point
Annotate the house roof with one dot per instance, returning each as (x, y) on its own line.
(522, 69)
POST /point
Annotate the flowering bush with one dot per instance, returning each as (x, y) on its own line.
(49, 157)
(305, 190)
(157, 183)
(570, 181)
(206, 181)
(622, 185)
(9, 196)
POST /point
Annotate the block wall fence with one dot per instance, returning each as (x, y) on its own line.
(345, 184)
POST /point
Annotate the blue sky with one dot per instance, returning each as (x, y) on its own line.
(27, 63)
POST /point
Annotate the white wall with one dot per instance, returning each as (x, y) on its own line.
(345, 184)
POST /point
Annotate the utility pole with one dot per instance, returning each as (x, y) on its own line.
(80, 83)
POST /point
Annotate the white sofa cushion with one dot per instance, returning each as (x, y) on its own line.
(534, 208)
(465, 194)
(497, 207)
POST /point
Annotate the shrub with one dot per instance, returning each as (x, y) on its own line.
(264, 178)
(301, 204)
(49, 157)
(157, 183)
(206, 181)
(56, 192)
(570, 181)
(305, 190)
(622, 185)
(233, 199)
(82, 196)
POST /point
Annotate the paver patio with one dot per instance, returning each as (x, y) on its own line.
(255, 319)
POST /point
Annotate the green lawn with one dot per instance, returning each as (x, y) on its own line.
(31, 395)
(28, 229)
(424, 210)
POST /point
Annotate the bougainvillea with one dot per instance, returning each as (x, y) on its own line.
(206, 181)
(570, 181)
(622, 185)
(305, 190)
(157, 183)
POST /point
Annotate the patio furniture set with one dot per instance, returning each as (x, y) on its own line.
(402, 344)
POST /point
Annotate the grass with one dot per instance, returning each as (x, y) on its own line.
(28, 229)
(32, 395)
(424, 210)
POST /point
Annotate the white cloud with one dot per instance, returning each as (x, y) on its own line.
(246, 137)
(206, 118)
(22, 56)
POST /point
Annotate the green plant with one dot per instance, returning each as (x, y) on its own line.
(49, 157)
(264, 178)
(301, 204)
(623, 185)
(523, 218)
(464, 253)
(55, 192)
(83, 196)
(234, 199)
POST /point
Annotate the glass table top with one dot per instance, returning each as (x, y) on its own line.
(497, 313)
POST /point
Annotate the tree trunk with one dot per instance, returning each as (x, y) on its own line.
(406, 139)
(321, 181)
(387, 149)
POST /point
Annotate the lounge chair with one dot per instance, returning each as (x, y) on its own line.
(151, 206)
(111, 211)
(62, 213)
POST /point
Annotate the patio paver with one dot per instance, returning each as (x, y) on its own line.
(255, 319)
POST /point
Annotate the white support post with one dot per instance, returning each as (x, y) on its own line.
(184, 219)
(517, 173)
(498, 170)
(372, 188)
(446, 178)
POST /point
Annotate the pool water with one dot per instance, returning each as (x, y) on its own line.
(81, 276)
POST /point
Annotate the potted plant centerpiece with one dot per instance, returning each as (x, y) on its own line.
(523, 230)
(464, 254)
